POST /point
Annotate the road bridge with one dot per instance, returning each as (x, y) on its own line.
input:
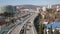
(19, 27)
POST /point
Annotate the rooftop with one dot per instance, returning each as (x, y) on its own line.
(54, 25)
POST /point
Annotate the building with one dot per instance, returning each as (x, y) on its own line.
(5, 12)
(57, 8)
(2, 9)
(55, 27)
(44, 8)
(49, 6)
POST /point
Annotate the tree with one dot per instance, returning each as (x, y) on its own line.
(51, 30)
(41, 28)
(49, 10)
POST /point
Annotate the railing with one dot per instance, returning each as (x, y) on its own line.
(5, 29)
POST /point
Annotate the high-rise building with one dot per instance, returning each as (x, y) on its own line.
(38, 9)
(49, 6)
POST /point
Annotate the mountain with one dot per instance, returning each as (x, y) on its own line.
(56, 5)
(27, 6)
(34, 6)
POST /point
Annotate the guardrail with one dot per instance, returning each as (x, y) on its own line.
(21, 26)
(7, 28)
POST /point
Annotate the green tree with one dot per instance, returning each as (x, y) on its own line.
(51, 30)
(41, 28)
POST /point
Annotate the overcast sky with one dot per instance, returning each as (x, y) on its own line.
(33, 2)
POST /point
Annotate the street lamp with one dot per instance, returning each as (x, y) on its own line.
(47, 31)
(53, 30)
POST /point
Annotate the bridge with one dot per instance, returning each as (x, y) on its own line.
(23, 23)
(26, 26)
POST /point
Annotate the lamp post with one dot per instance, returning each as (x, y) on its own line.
(53, 31)
(47, 31)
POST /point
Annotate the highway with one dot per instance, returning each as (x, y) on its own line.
(17, 29)
(17, 26)
(10, 27)
(19, 22)
(30, 28)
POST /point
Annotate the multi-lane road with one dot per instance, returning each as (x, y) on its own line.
(30, 18)
(23, 22)
(13, 25)
(30, 29)
(17, 29)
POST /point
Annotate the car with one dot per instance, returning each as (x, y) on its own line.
(28, 28)
(28, 22)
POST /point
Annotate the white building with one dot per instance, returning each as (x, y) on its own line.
(49, 6)
(37, 9)
(44, 8)
(57, 8)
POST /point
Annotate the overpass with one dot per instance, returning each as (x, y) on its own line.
(31, 24)
(18, 28)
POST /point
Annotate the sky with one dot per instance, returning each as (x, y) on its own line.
(30, 2)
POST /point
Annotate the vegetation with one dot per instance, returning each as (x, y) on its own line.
(41, 28)
(50, 30)
(36, 22)
(51, 15)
